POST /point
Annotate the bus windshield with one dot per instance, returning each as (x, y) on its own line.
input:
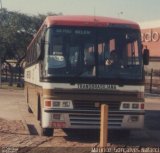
(109, 53)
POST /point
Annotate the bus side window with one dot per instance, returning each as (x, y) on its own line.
(46, 40)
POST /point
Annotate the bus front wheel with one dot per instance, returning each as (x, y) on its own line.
(44, 131)
(47, 132)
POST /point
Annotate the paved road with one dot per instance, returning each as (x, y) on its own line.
(13, 107)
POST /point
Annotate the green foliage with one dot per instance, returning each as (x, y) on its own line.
(16, 32)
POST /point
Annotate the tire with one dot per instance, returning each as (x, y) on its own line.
(119, 134)
(47, 132)
(125, 133)
(88, 133)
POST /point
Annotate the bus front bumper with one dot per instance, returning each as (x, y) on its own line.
(89, 119)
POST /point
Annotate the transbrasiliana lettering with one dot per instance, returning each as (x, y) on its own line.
(96, 86)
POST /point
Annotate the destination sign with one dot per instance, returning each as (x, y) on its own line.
(73, 31)
(97, 86)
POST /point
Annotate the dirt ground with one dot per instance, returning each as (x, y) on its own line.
(18, 128)
(14, 134)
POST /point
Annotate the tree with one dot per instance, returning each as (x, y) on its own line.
(16, 32)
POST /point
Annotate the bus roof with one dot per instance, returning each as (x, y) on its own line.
(84, 21)
(88, 21)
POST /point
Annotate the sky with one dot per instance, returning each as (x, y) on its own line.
(136, 10)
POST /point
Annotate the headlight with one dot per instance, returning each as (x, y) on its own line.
(65, 104)
(132, 106)
(56, 103)
(62, 104)
(126, 105)
(135, 106)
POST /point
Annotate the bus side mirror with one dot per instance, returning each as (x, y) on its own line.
(146, 56)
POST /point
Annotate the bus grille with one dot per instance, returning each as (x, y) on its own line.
(93, 121)
(92, 118)
(90, 105)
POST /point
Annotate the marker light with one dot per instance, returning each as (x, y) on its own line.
(142, 106)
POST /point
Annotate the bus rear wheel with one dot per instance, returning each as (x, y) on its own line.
(47, 132)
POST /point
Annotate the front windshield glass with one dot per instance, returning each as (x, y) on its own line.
(119, 54)
(95, 52)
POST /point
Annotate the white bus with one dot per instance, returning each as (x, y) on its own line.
(76, 63)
